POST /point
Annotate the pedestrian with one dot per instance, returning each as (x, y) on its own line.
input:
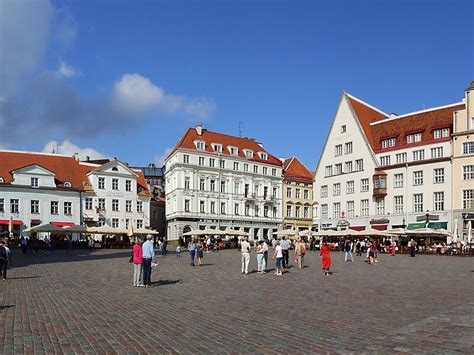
(393, 247)
(69, 245)
(164, 247)
(178, 251)
(245, 250)
(358, 248)
(90, 243)
(192, 250)
(372, 251)
(412, 248)
(137, 264)
(278, 254)
(348, 249)
(265, 256)
(300, 251)
(260, 257)
(285, 246)
(148, 253)
(24, 245)
(199, 252)
(3, 259)
(325, 253)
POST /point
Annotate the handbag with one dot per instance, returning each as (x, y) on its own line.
(154, 262)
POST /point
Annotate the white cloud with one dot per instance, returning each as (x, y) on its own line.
(68, 148)
(66, 70)
(160, 159)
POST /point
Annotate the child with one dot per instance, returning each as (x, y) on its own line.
(178, 251)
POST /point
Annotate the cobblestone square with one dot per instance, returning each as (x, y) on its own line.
(84, 303)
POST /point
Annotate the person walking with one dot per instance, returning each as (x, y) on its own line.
(3, 259)
(245, 249)
(300, 251)
(148, 253)
(192, 250)
(137, 264)
(325, 253)
(260, 257)
(90, 243)
(285, 246)
(348, 249)
(393, 247)
(164, 247)
(178, 251)
(24, 245)
(278, 254)
(265, 256)
(199, 252)
(413, 248)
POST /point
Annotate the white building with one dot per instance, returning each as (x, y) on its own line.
(385, 171)
(219, 181)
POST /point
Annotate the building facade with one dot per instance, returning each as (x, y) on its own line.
(463, 163)
(220, 181)
(399, 175)
(297, 195)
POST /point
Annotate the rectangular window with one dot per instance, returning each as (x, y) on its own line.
(202, 184)
(350, 208)
(441, 133)
(212, 162)
(418, 178)
(419, 154)
(468, 148)
(222, 207)
(438, 175)
(338, 169)
(468, 199)
(338, 151)
(115, 184)
(288, 210)
(187, 182)
(222, 186)
(337, 189)
(222, 164)
(102, 183)
(140, 206)
(139, 223)
(364, 208)
(185, 158)
(385, 160)
(297, 193)
(128, 185)
(401, 158)
(324, 191)
(437, 152)
(249, 154)
(202, 207)
(398, 180)
(380, 206)
(68, 208)
(236, 209)
(236, 166)
(218, 148)
(418, 203)
(128, 206)
(306, 194)
(274, 192)
(212, 185)
(387, 143)
(359, 164)
(398, 204)
(337, 210)
(265, 170)
(306, 212)
(213, 207)
(34, 182)
(115, 205)
(255, 169)
(364, 185)
(246, 167)
(101, 222)
(54, 207)
(297, 211)
(14, 206)
(348, 167)
(234, 151)
(101, 203)
(236, 187)
(256, 211)
(200, 145)
(343, 128)
(350, 187)
(439, 201)
(247, 209)
(35, 207)
(328, 170)
(348, 146)
(412, 138)
(288, 192)
(324, 212)
(201, 161)
(88, 203)
(274, 172)
(468, 172)
(115, 222)
(186, 206)
(2, 205)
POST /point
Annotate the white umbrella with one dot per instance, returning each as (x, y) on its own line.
(236, 233)
(145, 231)
(106, 230)
(430, 232)
(455, 231)
(469, 232)
(397, 231)
(376, 233)
(285, 232)
(204, 232)
(130, 229)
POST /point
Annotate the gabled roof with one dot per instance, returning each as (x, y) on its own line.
(378, 126)
(187, 142)
(293, 168)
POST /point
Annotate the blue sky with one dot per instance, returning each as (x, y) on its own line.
(127, 78)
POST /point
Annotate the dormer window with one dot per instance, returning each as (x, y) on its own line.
(34, 182)
(413, 138)
(248, 153)
(201, 145)
(233, 150)
(217, 147)
(263, 156)
(441, 133)
(387, 143)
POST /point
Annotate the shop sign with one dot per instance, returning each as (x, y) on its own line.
(380, 221)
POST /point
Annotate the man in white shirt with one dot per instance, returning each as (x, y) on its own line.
(245, 249)
(285, 246)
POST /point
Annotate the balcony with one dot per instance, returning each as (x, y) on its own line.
(380, 184)
(250, 196)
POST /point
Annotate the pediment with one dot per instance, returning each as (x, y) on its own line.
(34, 169)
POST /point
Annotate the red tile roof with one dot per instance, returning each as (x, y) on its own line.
(187, 142)
(379, 126)
(293, 168)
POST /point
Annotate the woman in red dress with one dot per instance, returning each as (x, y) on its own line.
(325, 253)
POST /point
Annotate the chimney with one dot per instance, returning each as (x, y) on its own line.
(76, 156)
(88, 158)
(151, 166)
(199, 129)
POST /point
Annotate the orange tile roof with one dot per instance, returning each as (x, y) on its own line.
(187, 142)
(293, 168)
(378, 126)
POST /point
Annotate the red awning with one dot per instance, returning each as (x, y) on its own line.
(16, 222)
(357, 228)
(380, 227)
(63, 224)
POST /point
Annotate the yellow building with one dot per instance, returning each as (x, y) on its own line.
(297, 195)
(463, 163)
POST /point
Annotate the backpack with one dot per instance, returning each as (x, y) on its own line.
(302, 248)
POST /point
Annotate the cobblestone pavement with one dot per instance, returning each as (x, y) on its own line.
(84, 303)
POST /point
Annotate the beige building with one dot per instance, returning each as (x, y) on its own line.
(297, 195)
(463, 163)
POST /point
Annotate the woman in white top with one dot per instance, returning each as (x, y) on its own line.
(278, 253)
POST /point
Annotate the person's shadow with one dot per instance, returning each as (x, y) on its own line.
(166, 282)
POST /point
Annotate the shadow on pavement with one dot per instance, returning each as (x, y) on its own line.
(24, 277)
(166, 282)
(7, 306)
